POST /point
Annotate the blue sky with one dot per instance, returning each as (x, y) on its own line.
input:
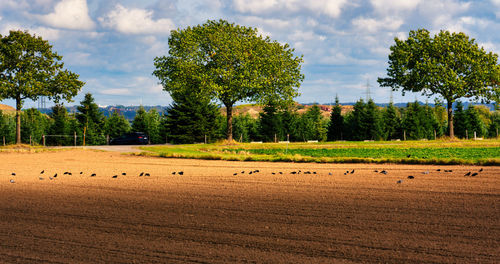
(345, 44)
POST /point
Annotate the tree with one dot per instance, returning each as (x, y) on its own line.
(270, 123)
(392, 123)
(60, 125)
(229, 63)
(7, 127)
(91, 120)
(336, 124)
(30, 69)
(371, 121)
(474, 123)
(460, 121)
(140, 122)
(449, 64)
(355, 129)
(190, 118)
(34, 124)
(116, 125)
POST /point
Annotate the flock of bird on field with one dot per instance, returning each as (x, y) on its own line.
(147, 174)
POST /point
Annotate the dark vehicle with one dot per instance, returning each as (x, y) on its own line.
(135, 138)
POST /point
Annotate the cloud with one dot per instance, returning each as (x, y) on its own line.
(69, 14)
(331, 8)
(373, 25)
(391, 6)
(44, 32)
(135, 21)
(118, 91)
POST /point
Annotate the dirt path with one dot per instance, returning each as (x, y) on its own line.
(209, 215)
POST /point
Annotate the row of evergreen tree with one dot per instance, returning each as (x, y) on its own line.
(190, 119)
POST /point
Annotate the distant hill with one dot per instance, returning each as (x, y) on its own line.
(7, 108)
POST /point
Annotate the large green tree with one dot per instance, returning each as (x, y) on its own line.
(449, 64)
(30, 69)
(229, 63)
(336, 125)
(91, 120)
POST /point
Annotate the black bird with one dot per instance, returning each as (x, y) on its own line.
(242, 172)
(257, 171)
(55, 175)
(480, 170)
(467, 174)
(375, 171)
(345, 173)
(408, 155)
(281, 172)
(411, 177)
(438, 170)
(92, 175)
(123, 173)
(383, 172)
(181, 173)
(69, 173)
(173, 173)
(474, 174)
(142, 174)
(115, 176)
(293, 172)
(352, 171)
(273, 173)
(234, 174)
(13, 174)
(147, 175)
(50, 178)
(81, 172)
(330, 173)
(250, 172)
(65, 173)
(399, 181)
(42, 172)
(314, 172)
(40, 178)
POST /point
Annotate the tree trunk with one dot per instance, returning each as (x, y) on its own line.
(229, 112)
(450, 119)
(18, 119)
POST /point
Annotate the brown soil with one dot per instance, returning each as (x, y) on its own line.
(209, 215)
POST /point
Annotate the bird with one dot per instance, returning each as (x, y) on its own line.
(467, 174)
(92, 175)
(173, 173)
(375, 171)
(147, 175)
(314, 172)
(408, 155)
(250, 172)
(352, 171)
(438, 170)
(242, 172)
(181, 173)
(383, 172)
(81, 172)
(411, 177)
(474, 174)
(257, 171)
(293, 172)
(142, 174)
(40, 178)
(345, 173)
(425, 172)
(50, 178)
(281, 172)
(55, 175)
(330, 173)
(399, 181)
(12, 181)
(42, 171)
(114, 176)
(65, 172)
(13, 174)
(234, 174)
(480, 170)
(273, 173)
(69, 173)
(123, 173)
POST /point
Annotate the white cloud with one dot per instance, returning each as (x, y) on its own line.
(331, 8)
(44, 32)
(118, 91)
(70, 14)
(135, 21)
(391, 6)
(373, 25)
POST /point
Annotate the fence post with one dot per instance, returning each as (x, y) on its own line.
(75, 137)
(466, 134)
(30, 140)
(43, 139)
(107, 139)
(4, 138)
(475, 135)
(404, 135)
(275, 138)
(205, 139)
(435, 134)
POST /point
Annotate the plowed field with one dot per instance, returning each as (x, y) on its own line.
(210, 215)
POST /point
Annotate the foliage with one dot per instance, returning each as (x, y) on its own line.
(190, 118)
(391, 123)
(140, 122)
(270, 124)
(91, 120)
(336, 125)
(34, 124)
(230, 63)
(116, 125)
(30, 69)
(246, 128)
(7, 128)
(60, 127)
(448, 64)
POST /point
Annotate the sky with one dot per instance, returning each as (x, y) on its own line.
(345, 44)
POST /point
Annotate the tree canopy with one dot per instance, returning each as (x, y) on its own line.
(30, 69)
(229, 63)
(449, 64)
